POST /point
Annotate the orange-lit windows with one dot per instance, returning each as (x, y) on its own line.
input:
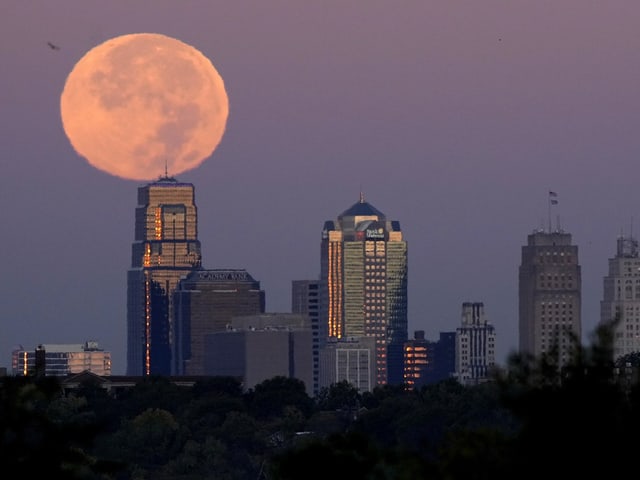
(158, 223)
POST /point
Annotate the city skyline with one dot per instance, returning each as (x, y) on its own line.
(455, 119)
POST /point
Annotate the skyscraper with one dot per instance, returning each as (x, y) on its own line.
(475, 345)
(205, 302)
(549, 295)
(620, 305)
(363, 277)
(166, 248)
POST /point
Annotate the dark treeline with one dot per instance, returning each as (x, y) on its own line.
(533, 420)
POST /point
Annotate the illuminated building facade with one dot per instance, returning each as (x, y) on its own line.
(475, 345)
(166, 248)
(61, 360)
(417, 359)
(620, 305)
(549, 296)
(363, 281)
(205, 302)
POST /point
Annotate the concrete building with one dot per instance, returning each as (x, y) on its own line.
(256, 348)
(352, 359)
(475, 345)
(305, 300)
(166, 248)
(620, 306)
(363, 285)
(549, 296)
(61, 359)
(206, 301)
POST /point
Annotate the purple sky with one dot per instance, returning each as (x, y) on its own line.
(454, 118)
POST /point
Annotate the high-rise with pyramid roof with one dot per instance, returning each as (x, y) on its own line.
(363, 283)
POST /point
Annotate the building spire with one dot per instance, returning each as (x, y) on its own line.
(361, 197)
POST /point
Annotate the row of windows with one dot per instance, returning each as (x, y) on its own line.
(558, 302)
(563, 320)
(556, 285)
(375, 267)
(557, 308)
(556, 277)
(554, 259)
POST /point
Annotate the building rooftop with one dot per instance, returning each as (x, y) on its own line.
(361, 209)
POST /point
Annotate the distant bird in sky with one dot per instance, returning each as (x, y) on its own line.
(52, 46)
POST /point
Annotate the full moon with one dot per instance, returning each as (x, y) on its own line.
(140, 105)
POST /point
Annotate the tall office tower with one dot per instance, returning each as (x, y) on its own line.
(363, 280)
(549, 296)
(475, 345)
(205, 302)
(166, 248)
(305, 301)
(620, 306)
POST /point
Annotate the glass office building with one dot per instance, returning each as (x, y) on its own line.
(166, 248)
(363, 280)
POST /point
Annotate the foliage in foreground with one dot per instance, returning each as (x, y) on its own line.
(535, 419)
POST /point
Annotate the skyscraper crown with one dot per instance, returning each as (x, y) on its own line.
(362, 209)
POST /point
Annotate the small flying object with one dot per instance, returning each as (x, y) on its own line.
(52, 46)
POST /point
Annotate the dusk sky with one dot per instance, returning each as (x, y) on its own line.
(455, 118)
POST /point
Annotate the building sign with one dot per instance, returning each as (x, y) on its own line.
(374, 233)
(223, 275)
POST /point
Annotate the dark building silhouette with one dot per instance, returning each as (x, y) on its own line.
(444, 363)
(40, 361)
(427, 362)
(305, 300)
(418, 355)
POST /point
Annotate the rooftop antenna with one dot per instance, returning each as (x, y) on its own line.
(361, 194)
(166, 169)
(552, 201)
